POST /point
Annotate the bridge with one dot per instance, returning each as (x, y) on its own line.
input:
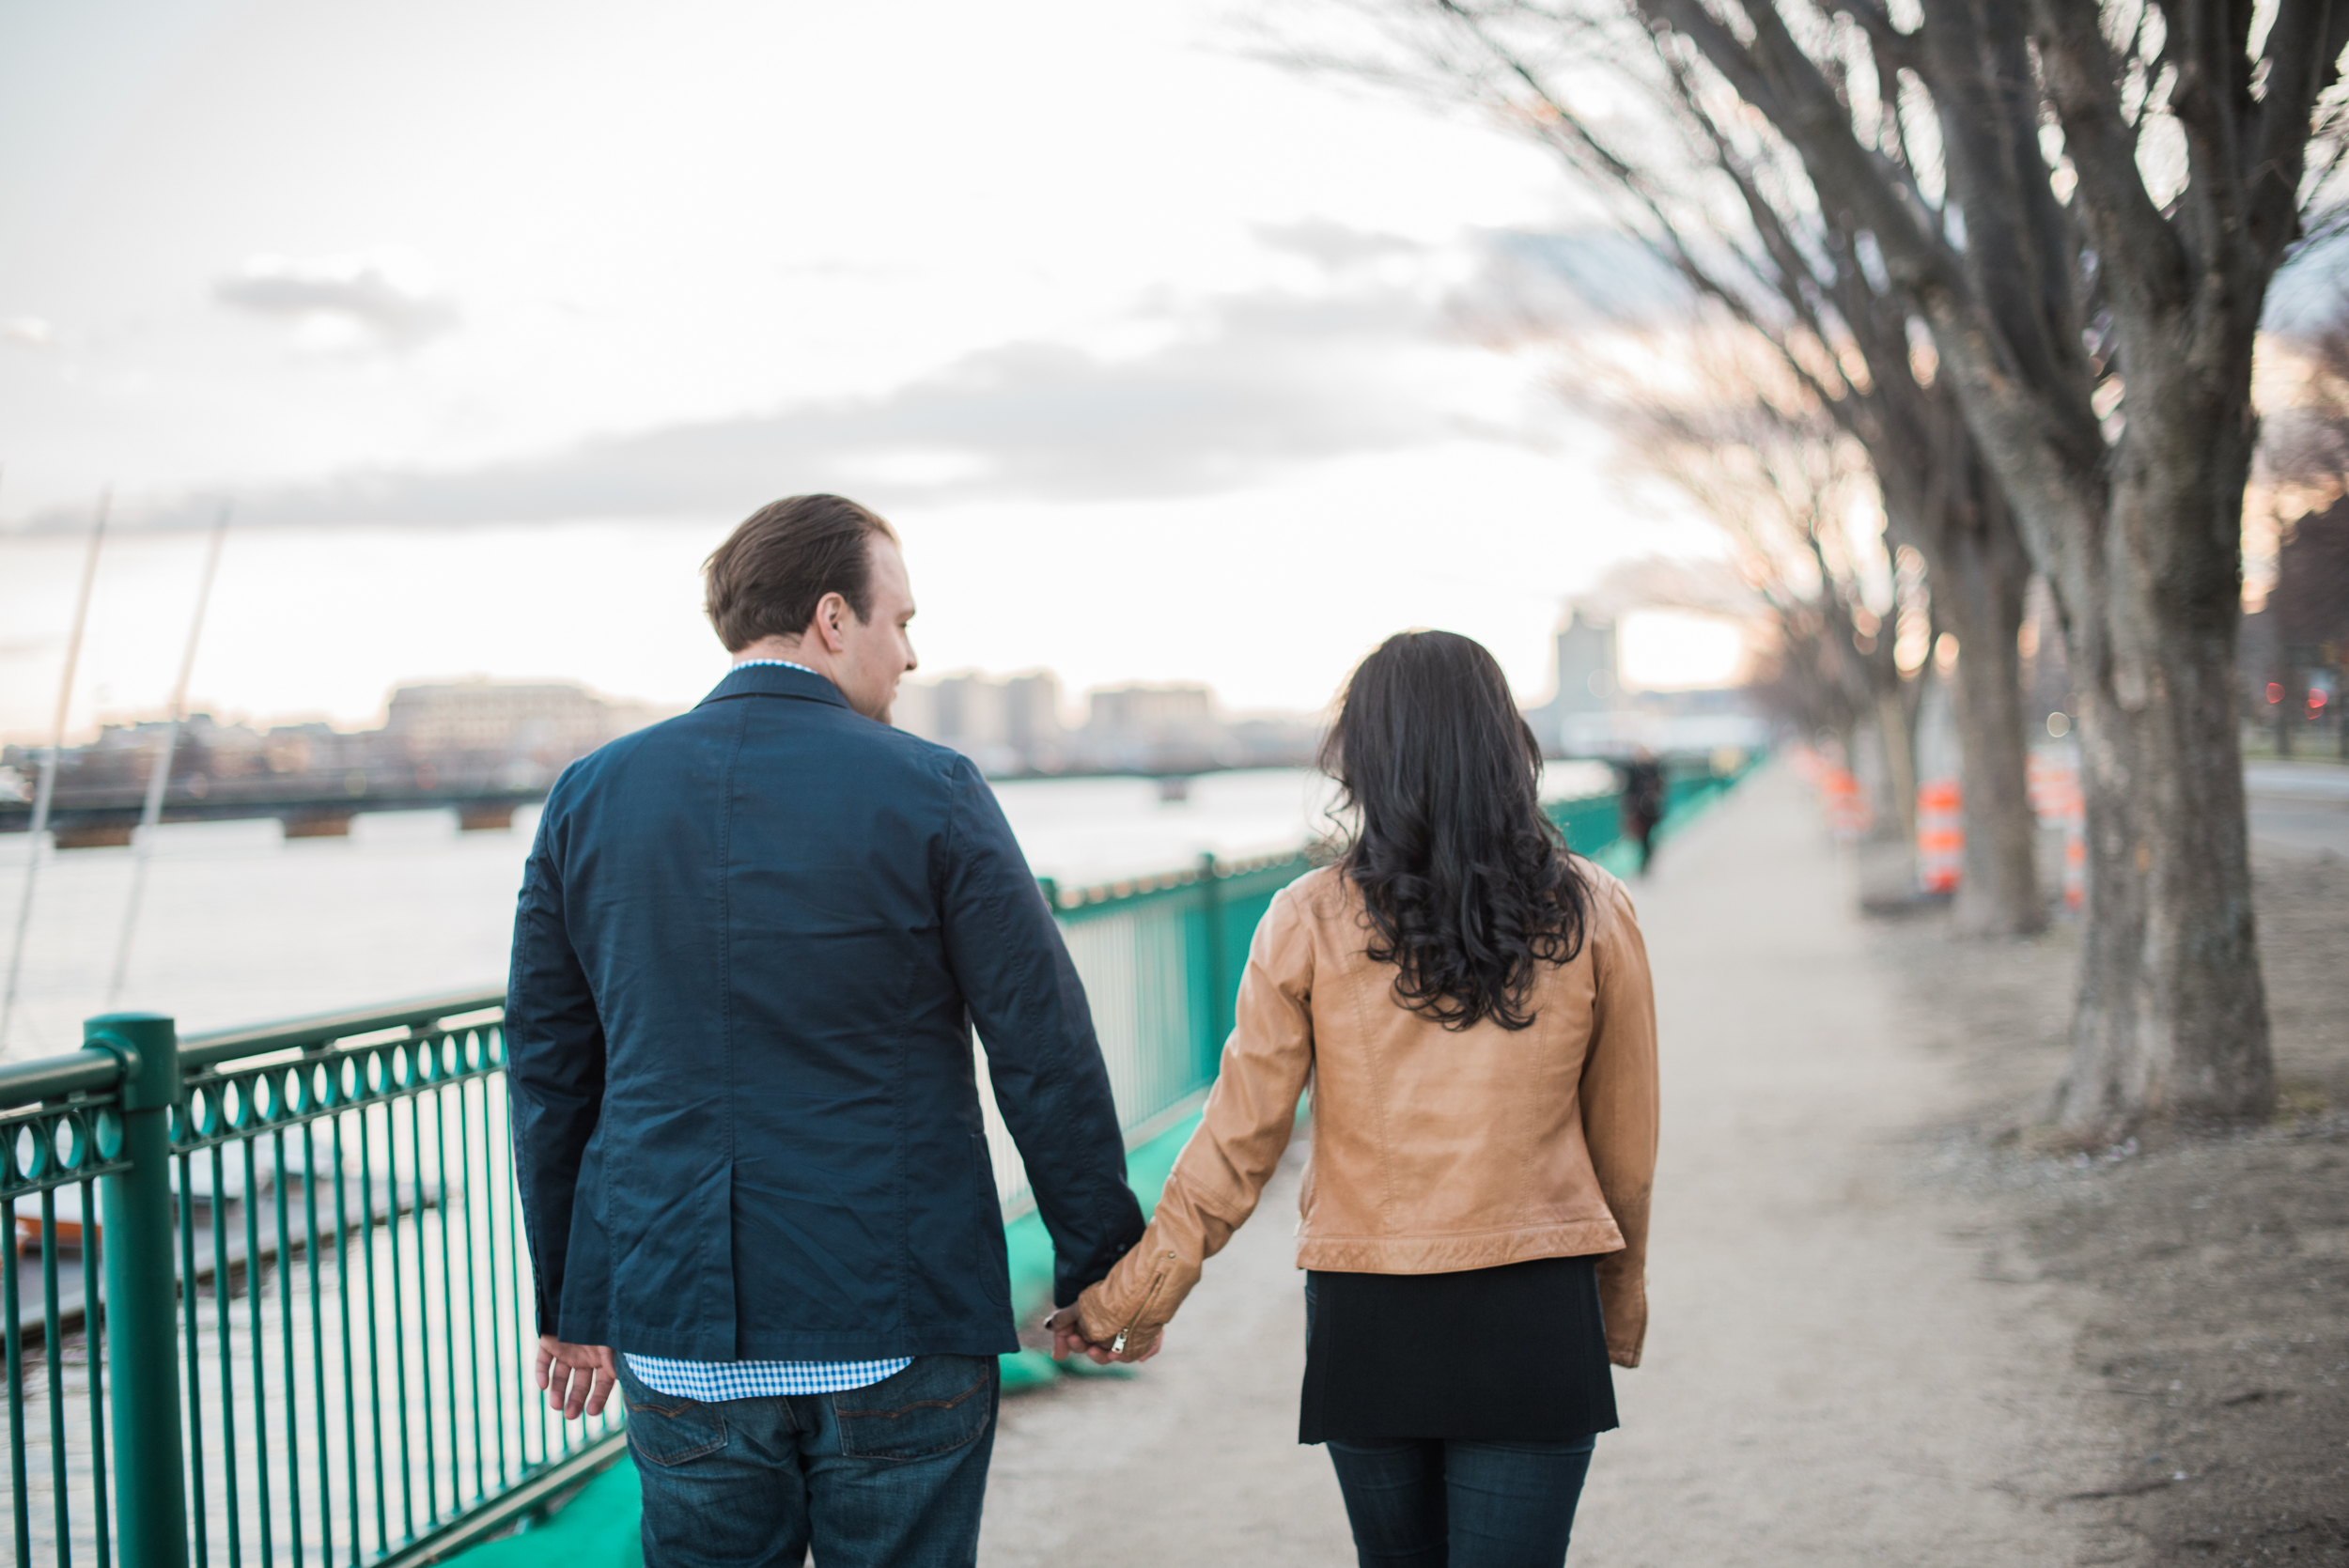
(94, 817)
(308, 1329)
(90, 817)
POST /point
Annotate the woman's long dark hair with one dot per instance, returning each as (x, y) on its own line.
(1466, 884)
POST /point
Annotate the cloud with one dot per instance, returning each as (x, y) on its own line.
(340, 301)
(28, 332)
(1237, 388)
(1248, 385)
(1335, 246)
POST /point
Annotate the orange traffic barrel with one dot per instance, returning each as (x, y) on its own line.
(1846, 807)
(1940, 835)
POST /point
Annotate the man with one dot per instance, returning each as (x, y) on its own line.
(751, 946)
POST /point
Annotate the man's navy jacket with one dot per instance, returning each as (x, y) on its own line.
(751, 946)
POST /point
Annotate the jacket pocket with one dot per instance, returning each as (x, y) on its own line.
(936, 1405)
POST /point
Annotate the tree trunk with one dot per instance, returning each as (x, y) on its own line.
(1897, 739)
(2172, 1014)
(1980, 578)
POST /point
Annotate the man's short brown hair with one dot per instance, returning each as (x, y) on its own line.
(767, 578)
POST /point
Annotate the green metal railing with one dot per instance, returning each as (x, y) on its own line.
(309, 1335)
(1160, 959)
(300, 1329)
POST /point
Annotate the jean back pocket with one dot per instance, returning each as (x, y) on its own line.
(669, 1429)
(934, 1406)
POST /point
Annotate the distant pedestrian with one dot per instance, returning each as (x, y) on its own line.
(751, 946)
(1642, 803)
(1469, 1008)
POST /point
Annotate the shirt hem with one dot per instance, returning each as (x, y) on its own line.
(672, 1346)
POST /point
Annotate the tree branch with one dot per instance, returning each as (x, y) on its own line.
(2303, 53)
(2132, 240)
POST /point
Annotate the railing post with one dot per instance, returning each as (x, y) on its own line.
(1217, 968)
(142, 1297)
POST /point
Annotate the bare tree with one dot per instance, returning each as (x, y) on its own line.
(1659, 138)
(2116, 191)
(1748, 444)
(2085, 203)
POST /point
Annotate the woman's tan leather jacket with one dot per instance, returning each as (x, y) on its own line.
(1433, 1151)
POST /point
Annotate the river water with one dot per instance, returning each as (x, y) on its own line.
(241, 926)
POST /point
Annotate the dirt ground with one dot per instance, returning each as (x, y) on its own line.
(2205, 1278)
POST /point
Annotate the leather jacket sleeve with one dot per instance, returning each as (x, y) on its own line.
(1619, 1096)
(1249, 1115)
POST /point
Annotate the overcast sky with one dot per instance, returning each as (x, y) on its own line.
(491, 318)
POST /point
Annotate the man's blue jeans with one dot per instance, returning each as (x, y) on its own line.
(887, 1476)
(1436, 1505)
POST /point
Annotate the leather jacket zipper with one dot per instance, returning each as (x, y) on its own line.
(1117, 1345)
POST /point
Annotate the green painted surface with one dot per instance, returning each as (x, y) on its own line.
(597, 1529)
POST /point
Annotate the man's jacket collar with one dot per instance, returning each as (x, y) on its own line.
(773, 680)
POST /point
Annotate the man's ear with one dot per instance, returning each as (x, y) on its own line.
(832, 610)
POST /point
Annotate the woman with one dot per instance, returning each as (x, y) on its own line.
(1470, 1009)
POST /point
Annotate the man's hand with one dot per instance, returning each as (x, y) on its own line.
(577, 1377)
(1069, 1339)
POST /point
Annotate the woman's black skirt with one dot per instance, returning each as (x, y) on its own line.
(1513, 1352)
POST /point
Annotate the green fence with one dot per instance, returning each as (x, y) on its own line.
(1160, 959)
(307, 1336)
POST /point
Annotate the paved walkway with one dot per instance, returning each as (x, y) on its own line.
(2299, 808)
(1834, 1374)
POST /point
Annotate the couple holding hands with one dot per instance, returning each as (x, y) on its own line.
(750, 948)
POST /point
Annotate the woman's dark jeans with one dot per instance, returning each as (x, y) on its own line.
(1427, 1503)
(887, 1476)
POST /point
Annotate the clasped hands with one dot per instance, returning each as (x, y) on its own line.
(1069, 1339)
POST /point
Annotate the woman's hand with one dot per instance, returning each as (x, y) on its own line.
(1069, 1337)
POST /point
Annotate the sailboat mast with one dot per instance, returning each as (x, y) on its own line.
(48, 786)
(160, 778)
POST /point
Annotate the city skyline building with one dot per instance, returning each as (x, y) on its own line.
(1592, 713)
(1018, 725)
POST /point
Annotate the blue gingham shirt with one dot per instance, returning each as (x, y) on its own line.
(709, 1382)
